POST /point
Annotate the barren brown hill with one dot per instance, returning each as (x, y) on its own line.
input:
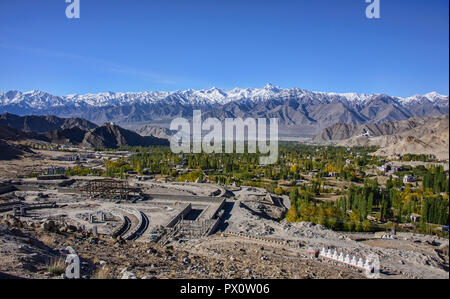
(9, 133)
(8, 151)
(413, 126)
(428, 136)
(154, 131)
(43, 124)
(112, 136)
(74, 136)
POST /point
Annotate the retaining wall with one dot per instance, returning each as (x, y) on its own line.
(268, 240)
(213, 227)
(7, 188)
(179, 216)
(133, 232)
(117, 230)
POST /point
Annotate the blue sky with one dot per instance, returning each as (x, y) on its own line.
(139, 45)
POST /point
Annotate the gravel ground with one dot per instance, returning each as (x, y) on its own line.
(120, 259)
(404, 260)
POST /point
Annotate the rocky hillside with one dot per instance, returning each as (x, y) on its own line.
(43, 124)
(154, 131)
(428, 136)
(8, 133)
(74, 135)
(73, 132)
(10, 150)
(28, 250)
(112, 136)
(106, 136)
(418, 126)
(433, 139)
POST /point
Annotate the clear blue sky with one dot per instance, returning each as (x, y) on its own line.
(138, 45)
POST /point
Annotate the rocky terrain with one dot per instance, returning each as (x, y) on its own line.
(252, 241)
(10, 133)
(428, 136)
(435, 145)
(43, 124)
(112, 136)
(108, 135)
(76, 132)
(27, 252)
(414, 126)
(158, 132)
(9, 151)
(410, 255)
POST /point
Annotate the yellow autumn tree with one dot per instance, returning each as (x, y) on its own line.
(292, 215)
(294, 168)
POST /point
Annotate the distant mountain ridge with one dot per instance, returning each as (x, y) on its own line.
(43, 124)
(73, 131)
(299, 111)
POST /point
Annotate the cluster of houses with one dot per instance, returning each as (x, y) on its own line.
(390, 168)
(408, 179)
(55, 170)
(333, 174)
(73, 158)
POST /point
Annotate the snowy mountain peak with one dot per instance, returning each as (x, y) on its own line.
(270, 86)
(432, 97)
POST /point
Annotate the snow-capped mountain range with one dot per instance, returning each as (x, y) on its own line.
(42, 100)
(296, 108)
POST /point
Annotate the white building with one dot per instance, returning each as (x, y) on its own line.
(409, 179)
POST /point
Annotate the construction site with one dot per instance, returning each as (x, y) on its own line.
(218, 226)
(113, 207)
